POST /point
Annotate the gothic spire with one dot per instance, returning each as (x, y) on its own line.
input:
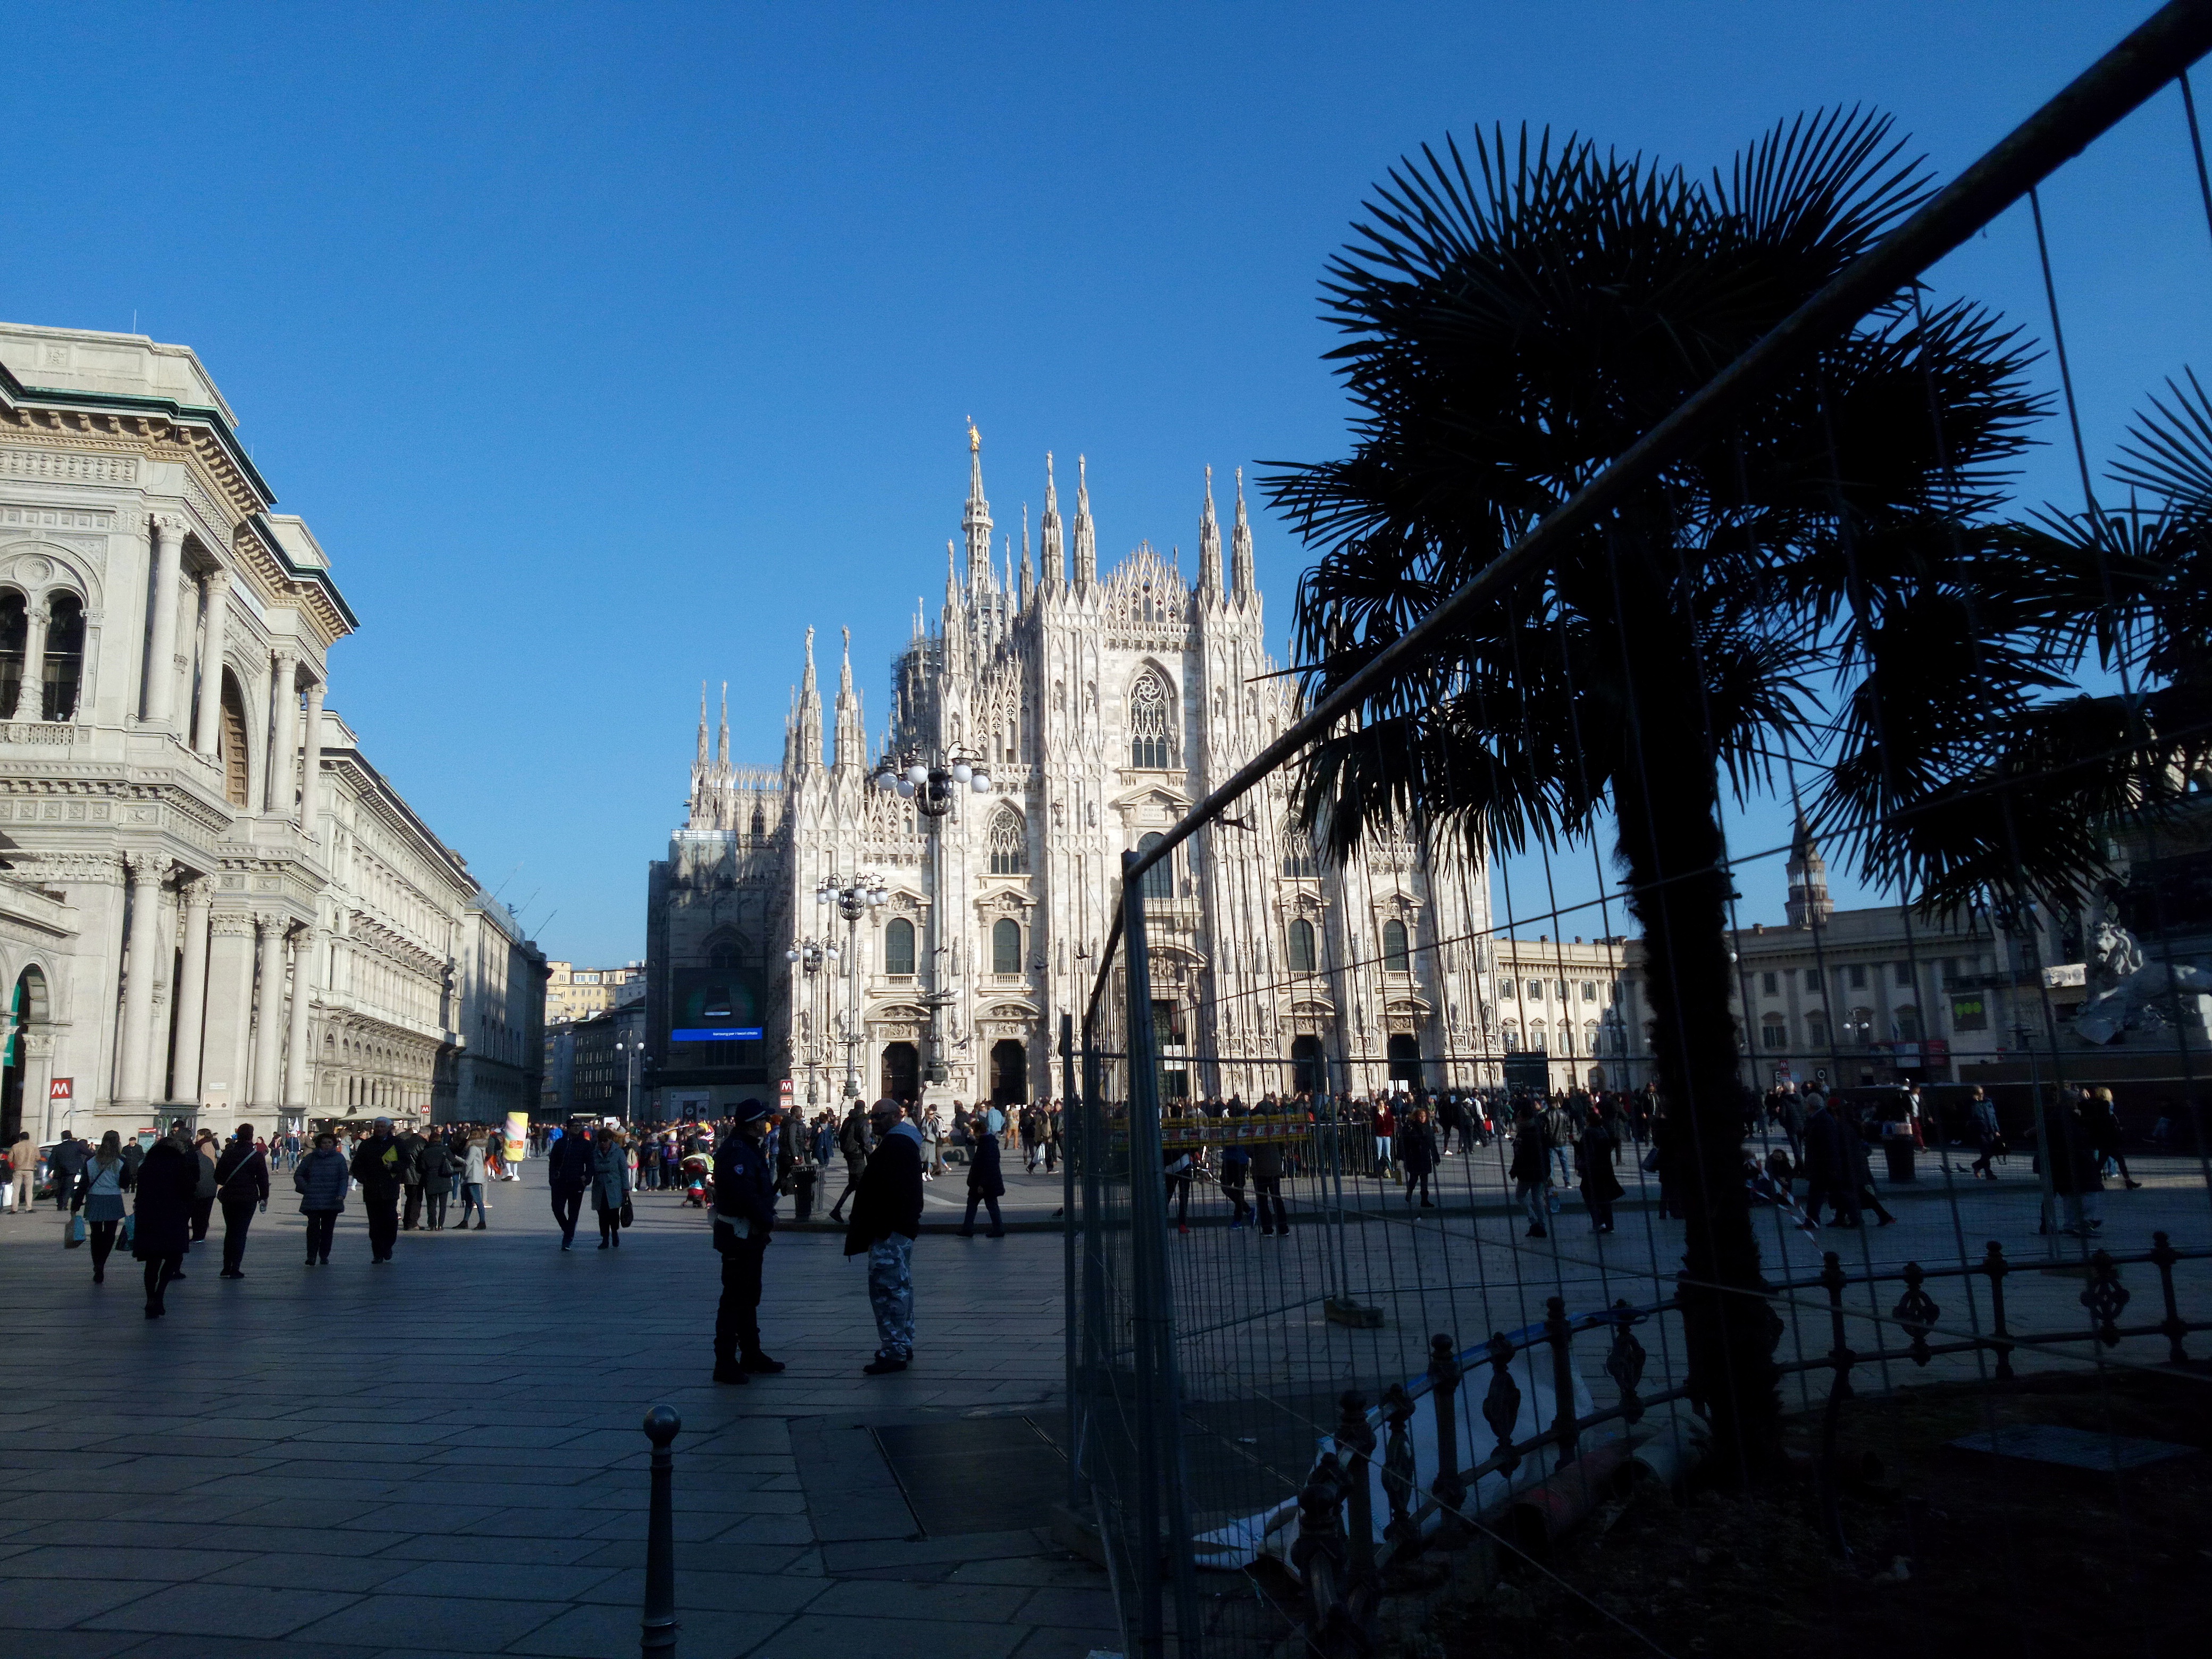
(1054, 551)
(1209, 545)
(852, 735)
(702, 726)
(722, 752)
(976, 521)
(810, 711)
(1028, 573)
(1240, 548)
(1086, 535)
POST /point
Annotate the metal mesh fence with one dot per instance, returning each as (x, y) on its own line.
(1342, 1292)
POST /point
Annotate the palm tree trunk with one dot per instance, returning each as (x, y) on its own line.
(1671, 847)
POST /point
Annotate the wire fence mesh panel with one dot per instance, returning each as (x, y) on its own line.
(1399, 1229)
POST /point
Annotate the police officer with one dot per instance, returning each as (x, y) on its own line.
(743, 1217)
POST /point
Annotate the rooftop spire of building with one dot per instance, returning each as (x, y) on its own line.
(852, 735)
(1209, 545)
(1028, 589)
(976, 519)
(810, 710)
(1240, 548)
(722, 750)
(1808, 905)
(1054, 550)
(1086, 534)
(703, 725)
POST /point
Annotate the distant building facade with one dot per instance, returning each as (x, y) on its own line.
(573, 993)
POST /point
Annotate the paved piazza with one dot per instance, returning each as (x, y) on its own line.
(446, 1457)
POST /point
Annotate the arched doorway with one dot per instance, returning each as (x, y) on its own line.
(26, 1010)
(1308, 1065)
(1405, 1059)
(1010, 1072)
(902, 1071)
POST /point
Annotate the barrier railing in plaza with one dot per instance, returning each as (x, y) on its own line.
(1278, 1387)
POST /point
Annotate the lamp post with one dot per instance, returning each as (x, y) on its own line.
(853, 898)
(626, 1055)
(932, 783)
(811, 955)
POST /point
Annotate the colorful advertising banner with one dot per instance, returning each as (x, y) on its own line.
(517, 1136)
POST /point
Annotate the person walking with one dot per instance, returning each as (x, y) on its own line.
(161, 1218)
(1594, 1157)
(101, 1184)
(611, 1186)
(412, 1145)
(1531, 1168)
(203, 1156)
(1268, 1179)
(1830, 1166)
(23, 1158)
(1236, 1166)
(472, 1171)
(856, 1142)
(987, 1185)
(437, 1171)
(241, 1179)
(1989, 1137)
(1417, 1155)
(379, 1166)
(320, 1179)
(67, 1161)
(886, 1220)
(571, 1165)
(744, 1219)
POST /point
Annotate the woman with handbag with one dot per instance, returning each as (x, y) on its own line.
(100, 1188)
(611, 1187)
(241, 1178)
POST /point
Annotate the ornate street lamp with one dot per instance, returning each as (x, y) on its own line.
(812, 955)
(933, 784)
(854, 899)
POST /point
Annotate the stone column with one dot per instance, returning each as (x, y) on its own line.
(268, 1029)
(229, 1007)
(162, 631)
(284, 746)
(208, 736)
(191, 991)
(132, 1084)
(310, 767)
(30, 695)
(303, 980)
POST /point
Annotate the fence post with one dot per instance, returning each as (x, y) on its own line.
(1501, 1406)
(1444, 1373)
(1994, 1264)
(2172, 1327)
(1833, 1279)
(1625, 1361)
(1159, 1424)
(657, 1634)
(1398, 1466)
(1070, 1317)
(1318, 1554)
(1355, 1446)
(2106, 1298)
(1559, 1332)
(1916, 1310)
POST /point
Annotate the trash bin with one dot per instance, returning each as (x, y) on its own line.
(1899, 1149)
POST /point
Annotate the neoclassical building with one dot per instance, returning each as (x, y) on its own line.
(1102, 706)
(214, 906)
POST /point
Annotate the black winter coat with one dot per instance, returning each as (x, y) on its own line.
(241, 1173)
(167, 1178)
(889, 1198)
(985, 1176)
(572, 1164)
(377, 1166)
(744, 1186)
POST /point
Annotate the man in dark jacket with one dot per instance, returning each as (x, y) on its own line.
(68, 1160)
(378, 1166)
(886, 1218)
(411, 1147)
(1417, 1153)
(570, 1164)
(987, 1185)
(437, 1182)
(241, 1186)
(856, 1142)
(160, 1230)
(1831, 1165)
(743, 1217)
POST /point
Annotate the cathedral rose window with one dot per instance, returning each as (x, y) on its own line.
(1151, 726)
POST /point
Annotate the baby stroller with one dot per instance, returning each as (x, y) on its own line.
(698, 1180)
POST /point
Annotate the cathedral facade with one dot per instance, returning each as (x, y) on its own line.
(1100, 707)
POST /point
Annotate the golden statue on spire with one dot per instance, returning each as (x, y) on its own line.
(975, 438)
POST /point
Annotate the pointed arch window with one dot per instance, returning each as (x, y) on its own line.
(1298, 853)
(1397, 957)
(1157, 882)
(899, 946)
(1005, 945)
(1151, 723)
(1008, 844)
(1302, 946)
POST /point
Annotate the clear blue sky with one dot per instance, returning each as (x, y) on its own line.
(606, 347)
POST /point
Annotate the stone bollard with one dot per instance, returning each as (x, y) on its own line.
(657, 1636)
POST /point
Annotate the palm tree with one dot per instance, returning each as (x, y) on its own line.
(1823, 580)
